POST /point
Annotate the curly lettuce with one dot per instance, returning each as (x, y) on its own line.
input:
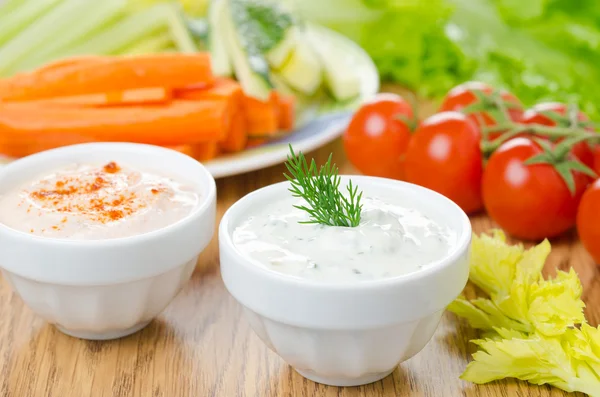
(538, 49)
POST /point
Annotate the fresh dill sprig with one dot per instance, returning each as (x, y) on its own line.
(325, 203)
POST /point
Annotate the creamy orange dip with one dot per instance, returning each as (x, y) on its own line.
(96, 202)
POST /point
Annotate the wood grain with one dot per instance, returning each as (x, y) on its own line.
(202, 346)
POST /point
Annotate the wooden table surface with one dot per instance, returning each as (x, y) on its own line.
(202, 346)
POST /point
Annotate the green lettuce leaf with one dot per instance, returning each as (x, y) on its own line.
(541, 50)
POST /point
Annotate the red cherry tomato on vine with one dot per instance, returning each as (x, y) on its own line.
(464, 95)
(444, 155)
(536, 115)
(378, 135)
(529, 201)
(588, 220)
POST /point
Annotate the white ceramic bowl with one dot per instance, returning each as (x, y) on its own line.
(354, 333)
(106, 289)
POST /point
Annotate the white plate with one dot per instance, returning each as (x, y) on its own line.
(317, 126)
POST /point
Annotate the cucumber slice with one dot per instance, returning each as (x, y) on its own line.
(303, 71)
(217, 13)
(281, 86)
(251, 70)
(279, 54)
(339, 64)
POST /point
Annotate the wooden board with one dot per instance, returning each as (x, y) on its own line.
(202, 346)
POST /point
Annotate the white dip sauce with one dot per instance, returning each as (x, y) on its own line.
(391, 240)
(96, 202)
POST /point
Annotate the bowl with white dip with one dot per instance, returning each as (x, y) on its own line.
(99, 238)
(345, 305)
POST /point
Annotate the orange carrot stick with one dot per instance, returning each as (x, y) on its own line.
(237, 137)
(231, 91)
(287, 112)
(115, 74)
(140, 96)
(17, 149)
(200, 151)
(255, 143)
(262, 118)
(206, 151)
(176, 123)
(188, 150)
(221, 87)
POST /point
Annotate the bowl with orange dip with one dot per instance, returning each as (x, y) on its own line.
(99, 238)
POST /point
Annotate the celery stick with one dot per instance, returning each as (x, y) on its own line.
(179, 31)
(16, 15)
(7, 6)
(125, 32)
(149, 45)
(97, 15)
(38, 33)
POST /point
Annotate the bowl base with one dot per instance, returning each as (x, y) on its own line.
(103, 335)
(344, 382)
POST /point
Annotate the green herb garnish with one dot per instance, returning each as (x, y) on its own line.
(325, 203)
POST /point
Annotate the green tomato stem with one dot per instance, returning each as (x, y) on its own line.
(574, 135)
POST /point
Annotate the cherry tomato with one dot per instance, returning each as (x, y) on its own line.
(444, 155)
(535, 115)
(596, 164)
(588, 220)
(463, 95)
(529, 201)
(378, 135)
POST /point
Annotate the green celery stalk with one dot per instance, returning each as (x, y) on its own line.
(179, 31)
(16, 15)
(38, 33)
(149, 45)
(98, 14)
(125, 32)
(7, 6)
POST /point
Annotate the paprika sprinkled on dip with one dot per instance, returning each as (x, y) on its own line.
(96, 202)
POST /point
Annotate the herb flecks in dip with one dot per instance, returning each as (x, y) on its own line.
(96, 202)
(391, 240)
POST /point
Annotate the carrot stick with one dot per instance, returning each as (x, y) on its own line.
(141, 96)
(48, 72)
(206, 151)
(237, 136)
(222, 88)
(200, 151)
(188, 150)
(51, 141)
(262, 118)
(255, 143)
(176, 123)
(287, 112)
(231, 91)
(115, 74)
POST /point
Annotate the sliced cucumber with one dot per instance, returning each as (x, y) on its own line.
(303, 70)
(251, 70)
(339, 65)
(278, 55)
(281, 86)
(217, 13)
